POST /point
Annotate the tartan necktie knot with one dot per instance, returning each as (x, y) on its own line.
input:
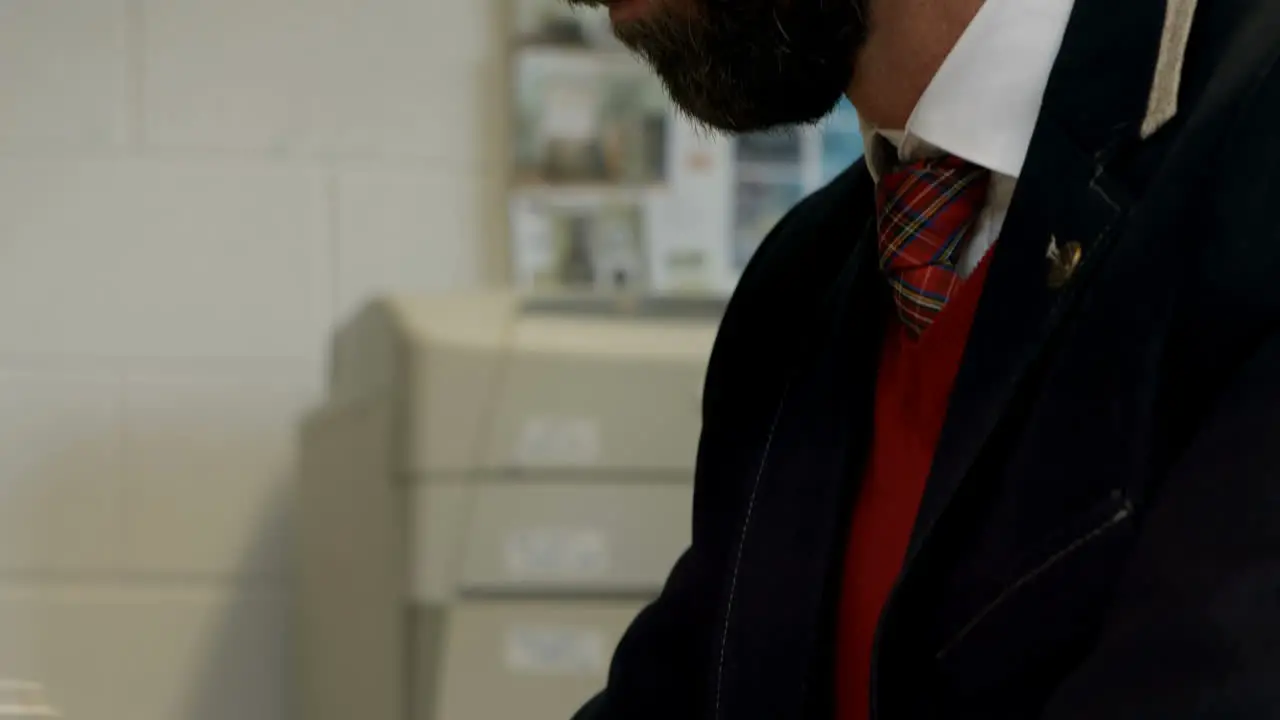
(926, 211)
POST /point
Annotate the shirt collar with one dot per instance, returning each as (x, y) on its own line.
(983, 102)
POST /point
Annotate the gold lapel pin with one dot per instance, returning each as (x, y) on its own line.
(1064, 260)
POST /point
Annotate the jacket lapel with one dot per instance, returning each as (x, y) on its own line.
(799, 497)
(1066, 203)
(794, 531)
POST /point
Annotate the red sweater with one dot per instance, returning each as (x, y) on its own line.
(912, 393)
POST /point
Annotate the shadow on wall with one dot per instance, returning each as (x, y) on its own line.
(131, 644)
(244, 669)
(216, 462)
(58, 628)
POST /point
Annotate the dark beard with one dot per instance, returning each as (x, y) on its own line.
(750, 65)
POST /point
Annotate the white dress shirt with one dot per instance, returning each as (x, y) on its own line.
(982, 105)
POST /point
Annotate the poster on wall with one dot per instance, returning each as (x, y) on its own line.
(590, 130)
(553, 23)
(774, 171)
(585, 120)
(689, 220)
(584, 246)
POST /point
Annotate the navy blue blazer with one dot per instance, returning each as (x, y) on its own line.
(1100, 534)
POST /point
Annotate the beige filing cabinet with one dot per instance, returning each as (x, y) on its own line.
(490, 493)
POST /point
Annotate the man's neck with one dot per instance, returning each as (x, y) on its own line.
(907, 42)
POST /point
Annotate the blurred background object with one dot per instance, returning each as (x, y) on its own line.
(492, 491)
(21, 700)
(194, 196)
(595, 140)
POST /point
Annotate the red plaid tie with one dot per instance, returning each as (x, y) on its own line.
(927, 210)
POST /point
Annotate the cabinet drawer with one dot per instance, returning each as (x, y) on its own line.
(528, 660)
(547, 538)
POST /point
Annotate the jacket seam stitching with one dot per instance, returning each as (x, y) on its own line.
(737, 564)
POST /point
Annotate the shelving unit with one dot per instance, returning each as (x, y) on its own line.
(612, 191)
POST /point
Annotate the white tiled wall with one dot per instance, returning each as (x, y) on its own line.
(149, 651)
(375, 77)
(374, 252)
(126, 257)
(191, 192)
(54, 97)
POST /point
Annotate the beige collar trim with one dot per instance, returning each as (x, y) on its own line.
(1162, 104)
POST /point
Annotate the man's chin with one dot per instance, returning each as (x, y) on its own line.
(724, 99)
(714, 71)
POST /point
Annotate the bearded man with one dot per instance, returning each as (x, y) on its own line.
(992, 424)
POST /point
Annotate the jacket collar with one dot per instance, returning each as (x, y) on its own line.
(1107, 93)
